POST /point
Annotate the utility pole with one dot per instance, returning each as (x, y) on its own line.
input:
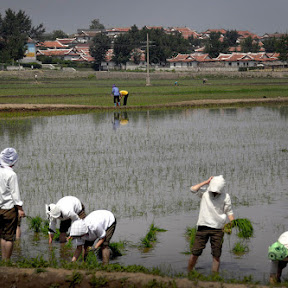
(147, 76)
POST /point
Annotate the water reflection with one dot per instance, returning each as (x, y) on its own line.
(120, 119)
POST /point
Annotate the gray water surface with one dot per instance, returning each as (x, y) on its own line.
(140, 165)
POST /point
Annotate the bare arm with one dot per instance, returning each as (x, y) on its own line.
(99, 243)
(77, 253)
(51, 236)
(198, 186)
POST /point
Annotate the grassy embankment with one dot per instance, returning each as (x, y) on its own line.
(93, 92)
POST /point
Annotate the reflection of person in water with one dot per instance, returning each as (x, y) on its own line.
(116, 121)
(124, 118)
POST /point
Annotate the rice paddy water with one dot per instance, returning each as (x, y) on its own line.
(140, 165)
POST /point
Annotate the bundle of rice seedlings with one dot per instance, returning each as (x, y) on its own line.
(243, 225)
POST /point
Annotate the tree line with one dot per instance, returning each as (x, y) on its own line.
(16, 28)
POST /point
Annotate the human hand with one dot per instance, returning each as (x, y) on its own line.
(21, 213)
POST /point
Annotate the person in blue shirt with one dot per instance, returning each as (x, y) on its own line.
(116, 94)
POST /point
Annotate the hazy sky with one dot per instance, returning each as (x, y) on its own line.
(257, 16)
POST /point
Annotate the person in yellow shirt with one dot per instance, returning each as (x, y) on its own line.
(125, 94)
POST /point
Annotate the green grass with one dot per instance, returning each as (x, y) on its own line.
(97, 92)
(151, 237)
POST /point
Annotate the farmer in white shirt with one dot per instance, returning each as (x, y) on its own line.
(278, 254)
(67, 210)
(215, 206)
(10, 202)
(99, 224)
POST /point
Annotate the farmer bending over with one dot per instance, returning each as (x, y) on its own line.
(278, 254)
(215, 206)
(67, 209)
(99, 224)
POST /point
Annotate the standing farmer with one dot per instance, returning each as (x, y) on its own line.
(215, 205)
(116, 94)
(10, 202)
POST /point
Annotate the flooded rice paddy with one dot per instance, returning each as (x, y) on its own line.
(140, 165)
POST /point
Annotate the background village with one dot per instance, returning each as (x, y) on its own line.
(77, 48)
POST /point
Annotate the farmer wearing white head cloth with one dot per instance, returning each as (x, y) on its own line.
(67, 210)
(10, 202)
(278, 254)
(215, 207)
(99, 224)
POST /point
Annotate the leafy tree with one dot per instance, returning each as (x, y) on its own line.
(195, 42)
(231, 37)
(95, 24)
(99, 47)
(214, 46)
(15, 28)
(248, 45)
(270, 44)
(282, 48)
(122, 49)
(59, 34)
(135, 36)
(163, 46)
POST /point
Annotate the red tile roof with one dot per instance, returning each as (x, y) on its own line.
(52, 44)
(185, 31)
(245, 34)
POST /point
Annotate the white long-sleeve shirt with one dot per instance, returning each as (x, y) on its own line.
(213, 209)
(97, 222)
(9, 189)
(70, 207)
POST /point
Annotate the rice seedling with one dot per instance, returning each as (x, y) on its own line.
(35, 223)
(191, 233)
(240, 248)
(150, 238)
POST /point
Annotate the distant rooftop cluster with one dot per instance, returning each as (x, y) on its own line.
(76, 48)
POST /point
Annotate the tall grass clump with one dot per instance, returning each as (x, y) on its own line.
(35, 223)
(191, 233)
(150, 238)
(240, 248)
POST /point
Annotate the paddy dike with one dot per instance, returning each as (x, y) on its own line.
(183, 104)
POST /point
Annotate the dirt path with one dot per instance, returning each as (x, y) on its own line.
(49, 277)
(192, 103)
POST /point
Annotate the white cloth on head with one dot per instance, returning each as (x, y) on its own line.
(78, 228)
(54, 211)
(8, 157)
(216, 184)
(97, 222)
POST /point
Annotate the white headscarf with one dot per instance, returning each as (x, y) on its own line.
(78, 228)
(216, 184)
(8, 157)
(52, 211)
